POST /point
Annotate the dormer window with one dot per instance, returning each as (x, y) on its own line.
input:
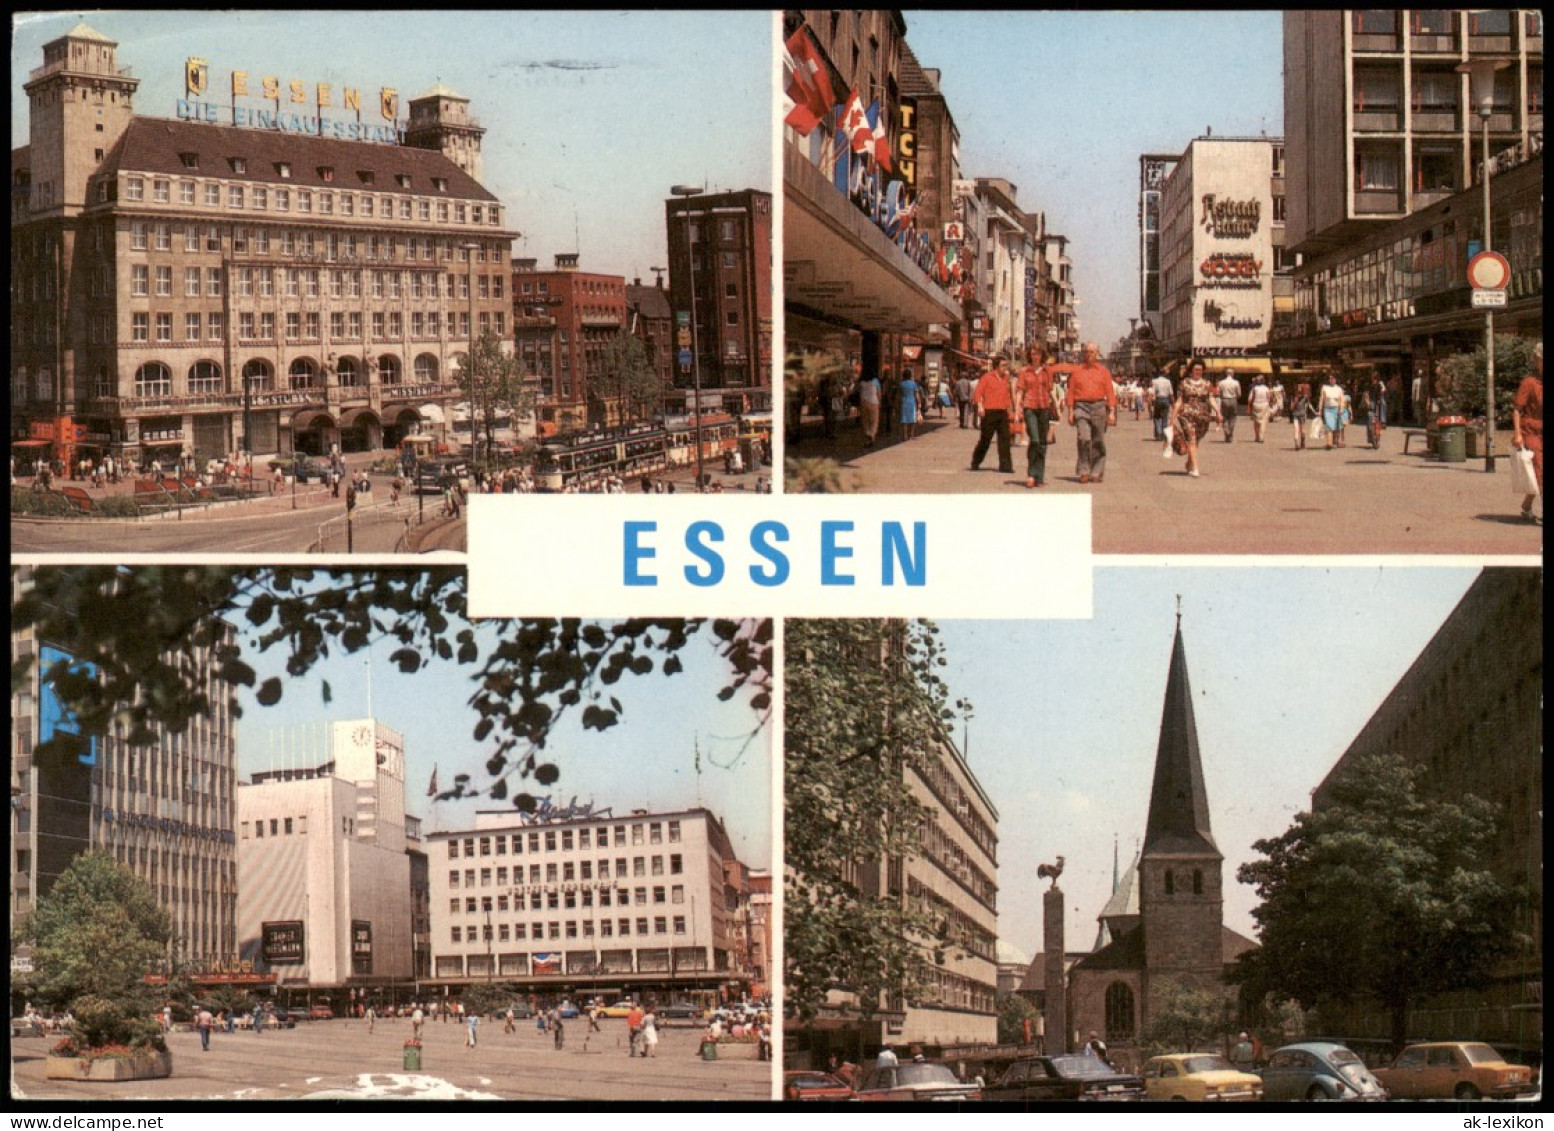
(440, 184)
(403, 179)
(326, 173)
(283, 169)
(238, 164)
(190, 160)
(366, 176)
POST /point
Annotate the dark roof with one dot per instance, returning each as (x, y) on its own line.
(154, 145)
(1123, 953)
(1235, 944)
(651, 301)
(1178, 802)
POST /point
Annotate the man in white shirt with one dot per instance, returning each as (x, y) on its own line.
(1259, 403)
(1160, 389)
(1229, 398)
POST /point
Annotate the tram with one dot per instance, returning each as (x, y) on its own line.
(584, 458)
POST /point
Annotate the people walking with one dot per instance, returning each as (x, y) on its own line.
(650, 1033)
(417, 1019)
(1330, 403)
(1092, 408)
(1259, 405)
(911, 403)
(963, 398)
(1527, 426)
(1229, 400)
(204, 1022)
(633, 1029)
(258, 1019)
(372, 1019)
(1301, 414)
(1160, 389)
(1195, 409)
(472, 1025)
(1034, 395)
(993, 401)
(869, 407)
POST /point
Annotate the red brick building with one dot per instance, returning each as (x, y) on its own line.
(562, 320)
(720, 272)
(650, 317)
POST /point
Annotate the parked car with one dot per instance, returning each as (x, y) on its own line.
(1461, 1070)
(1077, 1076)
(321, 1011)
(567, 1009)
(813, 1086)
(921, 1082)
(1198, 1076)
(1319, 1070)
(434, 475)
(618, 1009)
(680, 1011)
(309, 470)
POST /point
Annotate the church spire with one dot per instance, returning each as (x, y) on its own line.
(1178, 802)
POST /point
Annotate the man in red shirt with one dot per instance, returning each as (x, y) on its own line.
(1034, 390)
(994, 400)
(1092, 408)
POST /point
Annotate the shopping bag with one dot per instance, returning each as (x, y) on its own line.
(1315, 430)
(1523, 479)
(1168, 434)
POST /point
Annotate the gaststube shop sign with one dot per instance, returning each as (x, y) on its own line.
(294, 95)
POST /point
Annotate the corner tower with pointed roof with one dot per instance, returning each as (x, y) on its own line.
(1180, 900)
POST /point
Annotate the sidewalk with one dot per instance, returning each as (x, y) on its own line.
(1252, 498)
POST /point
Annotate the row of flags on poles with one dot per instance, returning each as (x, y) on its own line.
(812, 99)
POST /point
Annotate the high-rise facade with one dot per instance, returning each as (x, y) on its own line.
(190, 287)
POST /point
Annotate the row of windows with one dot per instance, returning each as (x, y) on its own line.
(566, 871)
(589, 836)
(570, 897)
(154, 379)
(1443, 21)
(260, 326)
(263, 198)
(570, 929)
(146, 235)
(310, 282)
(278, 826)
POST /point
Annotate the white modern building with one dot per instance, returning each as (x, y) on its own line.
(577, 897)
(323, 859)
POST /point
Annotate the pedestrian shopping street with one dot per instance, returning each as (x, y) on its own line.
(1251, 499)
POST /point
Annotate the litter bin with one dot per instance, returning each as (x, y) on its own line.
(709, 1050)
(1453, 444)
(412, 1058)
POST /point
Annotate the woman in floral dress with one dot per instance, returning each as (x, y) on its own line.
(1196, 406)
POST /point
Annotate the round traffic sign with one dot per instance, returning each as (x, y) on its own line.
(1489, 271)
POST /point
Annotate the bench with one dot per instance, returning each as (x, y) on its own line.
(1412, 434)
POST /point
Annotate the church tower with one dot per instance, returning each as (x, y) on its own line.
(79, 104)
(440, 120)
(1180, 898)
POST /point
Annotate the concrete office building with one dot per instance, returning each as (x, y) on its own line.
(177, 282)
(165, 811)
(580, 900)
(324, 865)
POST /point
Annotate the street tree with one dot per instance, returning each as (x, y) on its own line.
(490, 381)
(865, 705)
(628, 379)
(1187, 1017)
(1381, 895)
(1018, 1020)
(95, 935)
(128, 632)
(1466, 376)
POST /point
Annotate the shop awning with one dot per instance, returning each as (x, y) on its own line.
(32, 443)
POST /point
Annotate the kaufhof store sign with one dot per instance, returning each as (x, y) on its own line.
(295, 105)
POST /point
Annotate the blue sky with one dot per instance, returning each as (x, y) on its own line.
(590, 116)
(647, 761)
(1063, 104)
(1286, 666)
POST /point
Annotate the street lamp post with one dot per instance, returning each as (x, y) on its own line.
(474, 443)
(690, 259)
(1481, 91)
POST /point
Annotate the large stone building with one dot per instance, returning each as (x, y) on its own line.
(166, 811)
(720, 281)
(1384, 143)
(584, 901)
(1469, 712)
(324, 865)
(178, 283)
(1163, 929)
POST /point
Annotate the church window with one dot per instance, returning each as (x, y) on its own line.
(1197, 881)
(1119, 1012)
(1170, 882)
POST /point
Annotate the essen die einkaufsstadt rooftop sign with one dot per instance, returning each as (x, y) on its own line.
(288, 96)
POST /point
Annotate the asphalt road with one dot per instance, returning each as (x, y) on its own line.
(343, 1059)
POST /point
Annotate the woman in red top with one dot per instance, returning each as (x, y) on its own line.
(1527, 424)
(1034, 398)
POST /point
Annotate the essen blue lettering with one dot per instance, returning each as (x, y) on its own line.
(636, 553)
(696, 536)
(831, 553)
(761, 538)
(914, 566)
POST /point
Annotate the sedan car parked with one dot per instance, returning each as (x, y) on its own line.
(1079, 1076)
(320, 1011)
(1460, 1070)
(1198, 1076)
(1319, 1070)
(906, 1082)
(679, 1011)
(811, 1085)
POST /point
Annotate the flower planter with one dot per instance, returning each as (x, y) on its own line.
(151, 1066)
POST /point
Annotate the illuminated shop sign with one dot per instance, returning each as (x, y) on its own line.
(1230, 219)
(282, 942)
(1231, 269)
(546, 810)
(300, 107)
(906, 141)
